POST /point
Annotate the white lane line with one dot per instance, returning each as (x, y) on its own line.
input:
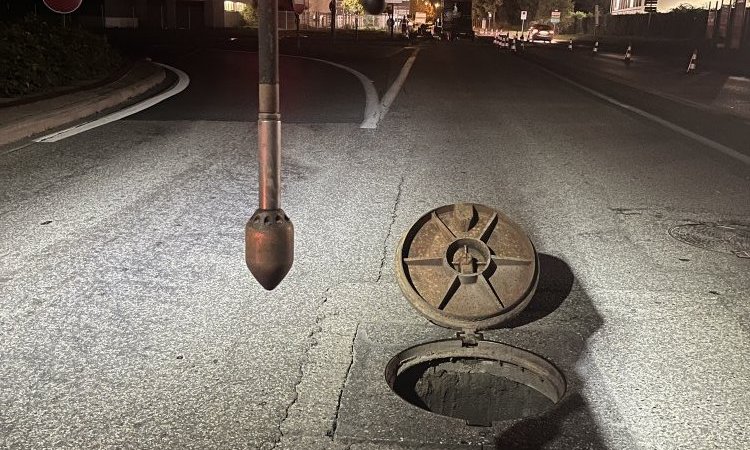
(375, 112)
(182, 83)
(395, 88)
(372, 109)
(674, 127)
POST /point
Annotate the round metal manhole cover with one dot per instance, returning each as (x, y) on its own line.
(467, 266)
(732, 238)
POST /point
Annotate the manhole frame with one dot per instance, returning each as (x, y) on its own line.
(534, 371)
(709, 246)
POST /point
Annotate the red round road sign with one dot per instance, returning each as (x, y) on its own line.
(63, 6)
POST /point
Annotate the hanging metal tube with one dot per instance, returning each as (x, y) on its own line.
(269, 117)
(269, 234)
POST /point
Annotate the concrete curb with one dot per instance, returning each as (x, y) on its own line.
(18, 122)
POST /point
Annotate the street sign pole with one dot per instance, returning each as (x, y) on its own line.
(523, 20)
(555, 19)
(332, 8)
(269, 234)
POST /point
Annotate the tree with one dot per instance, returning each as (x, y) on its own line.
(545, 7)
(249, 15)
(353, 7)
(424, 6)
(538, 10)
(683, 8)
(480, 8)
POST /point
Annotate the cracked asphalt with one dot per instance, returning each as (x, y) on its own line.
(129, 320)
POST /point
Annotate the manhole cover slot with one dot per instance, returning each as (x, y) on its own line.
(483, 384)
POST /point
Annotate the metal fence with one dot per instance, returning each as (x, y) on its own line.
(726, 26)
(310, 20)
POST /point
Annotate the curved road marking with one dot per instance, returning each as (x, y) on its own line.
(182, 83)
(372, 108)
(395, 88)
(374, 111)
(672, 126)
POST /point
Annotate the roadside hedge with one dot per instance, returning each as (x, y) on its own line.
(36, 57)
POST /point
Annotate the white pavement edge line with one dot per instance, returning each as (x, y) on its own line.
(372, 109)
(395, 88)
(182, 83)
(674, 127)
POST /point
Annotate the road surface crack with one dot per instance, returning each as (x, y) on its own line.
(343, 385)
(390, 227)
(312, 338)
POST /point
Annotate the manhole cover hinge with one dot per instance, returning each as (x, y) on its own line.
(470, 338)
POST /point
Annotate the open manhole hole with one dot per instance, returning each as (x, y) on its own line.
(480, 384)
(732, 238)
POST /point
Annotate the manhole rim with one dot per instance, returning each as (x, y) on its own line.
(536, 365)
(715, 247)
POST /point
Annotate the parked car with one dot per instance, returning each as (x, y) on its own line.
(541, 32)
(437, 32)
(425, 30)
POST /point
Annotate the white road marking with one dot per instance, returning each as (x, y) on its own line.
(182, 83)
(372, 108)
(395, 88)
(674, 127)
(374, 111)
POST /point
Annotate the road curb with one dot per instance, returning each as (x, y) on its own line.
(22, 121)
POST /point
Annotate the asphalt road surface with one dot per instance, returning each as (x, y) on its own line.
(129, 320)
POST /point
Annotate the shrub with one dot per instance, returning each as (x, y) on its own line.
(249, 16)
(36, 57)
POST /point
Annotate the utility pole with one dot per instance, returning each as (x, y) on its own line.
(269, 234)
(332, 8)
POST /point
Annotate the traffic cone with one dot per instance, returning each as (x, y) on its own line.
(596, 48)
(628, 54)
(570, 45)
(692, 63)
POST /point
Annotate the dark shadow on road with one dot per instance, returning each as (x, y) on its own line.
(560, 318)
(555, 283)
(543, 431)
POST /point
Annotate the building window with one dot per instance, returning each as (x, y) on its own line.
(234, 6)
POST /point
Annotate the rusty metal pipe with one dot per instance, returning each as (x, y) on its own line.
(269, 163)
(269, 234)
(269, 117)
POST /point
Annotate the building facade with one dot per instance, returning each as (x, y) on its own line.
(632, 6)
